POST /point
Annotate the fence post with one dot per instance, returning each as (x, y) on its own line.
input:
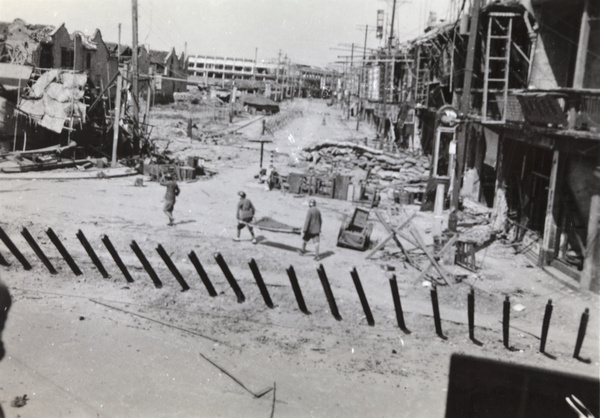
(261, 283)
(92, 254)
(397, 304)
(147, 266)
(361, 295)
(229, 276)
(436, 312)
(63, 251)
(163, 254)
(115, 255)
(546, 325)
(297, 291)
(585, 316)
(506, 322)
(328, 292)
(14, 250)
(471, 313)
(202, 273)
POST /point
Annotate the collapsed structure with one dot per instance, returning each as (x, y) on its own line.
(59, 89)
(506, 100)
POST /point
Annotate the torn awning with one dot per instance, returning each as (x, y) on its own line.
(10, 74)
(543, 109)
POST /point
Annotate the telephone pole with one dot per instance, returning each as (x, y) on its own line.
(134, 74)
(350, 77)
(361, 78)
(277, 77)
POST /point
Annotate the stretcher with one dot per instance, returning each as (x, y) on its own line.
(269, 224)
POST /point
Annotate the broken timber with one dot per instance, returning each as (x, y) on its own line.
(394, 235)
(446, 247)
(390, 236)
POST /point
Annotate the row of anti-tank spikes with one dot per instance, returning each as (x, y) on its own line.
(263, 288)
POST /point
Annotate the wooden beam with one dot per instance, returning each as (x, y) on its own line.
(547, 250)
(116, 122)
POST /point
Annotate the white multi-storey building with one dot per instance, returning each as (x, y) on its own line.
(207, 68)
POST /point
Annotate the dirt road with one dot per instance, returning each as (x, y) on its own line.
(87, 346)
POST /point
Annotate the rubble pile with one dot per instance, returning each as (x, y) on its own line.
(399, 168)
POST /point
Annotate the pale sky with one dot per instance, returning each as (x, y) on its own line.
(305, 30)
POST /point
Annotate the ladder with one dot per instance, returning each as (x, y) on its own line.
(497, 67)
(421, 80)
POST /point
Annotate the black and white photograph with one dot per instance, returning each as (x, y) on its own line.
(299, 208)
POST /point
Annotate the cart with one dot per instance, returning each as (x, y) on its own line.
(355, 232)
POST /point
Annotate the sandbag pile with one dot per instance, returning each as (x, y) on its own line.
(401, 167)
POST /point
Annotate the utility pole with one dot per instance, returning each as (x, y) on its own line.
(134, 75)
(289, 76)
(116, 122)
(254, 67)
(277, 77)
(361, 78)
(119, 48)
(465, 103)
(350, 76)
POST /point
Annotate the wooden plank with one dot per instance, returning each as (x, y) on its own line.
(423, 247)
(446, 247)
(547, 252)
(392, 231)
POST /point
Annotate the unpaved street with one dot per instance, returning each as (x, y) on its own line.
(84, 346)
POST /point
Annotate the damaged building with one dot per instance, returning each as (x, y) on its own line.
(527, 142)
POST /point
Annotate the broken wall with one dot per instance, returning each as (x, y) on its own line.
(557, 42)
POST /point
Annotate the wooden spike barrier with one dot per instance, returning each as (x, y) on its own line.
(202, 273)
(261, 283)
(398, 304)
(3, 261)
(147, 266)
(585, 316)
(546, 325)
(163, 254)
(328, 292)
(229, 276)
(363, 298)
(92, 254)
(436, 312)
(471, 314)
(297, 291)
(115, 255)
(63, 251)
(506, 322)
(14, 250)
(38, 250)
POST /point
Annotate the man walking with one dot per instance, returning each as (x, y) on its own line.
(170, 196)
(245, 213)
(312, 228)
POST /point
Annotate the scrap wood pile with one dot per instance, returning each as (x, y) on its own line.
(385, 167)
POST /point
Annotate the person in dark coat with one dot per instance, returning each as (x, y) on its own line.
(5, 303)
(170, 196)
(312, 228)
(244, 213)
